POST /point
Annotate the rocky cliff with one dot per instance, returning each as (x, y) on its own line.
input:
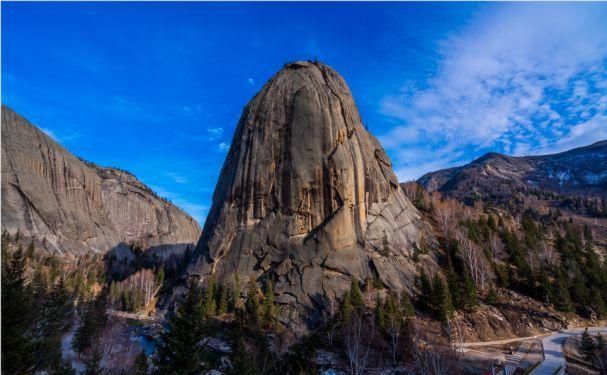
(581, 171)
(71, 207)
(307, 198)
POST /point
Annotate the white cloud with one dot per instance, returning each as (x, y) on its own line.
(197, 211)
(223, 146)
(520, 78)
(251, 81)
(214, 133)
(177, 178)
(51, 134)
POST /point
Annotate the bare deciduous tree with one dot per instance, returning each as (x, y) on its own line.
(497, 246)
(429, 360)
(475, 260)
(358, 337)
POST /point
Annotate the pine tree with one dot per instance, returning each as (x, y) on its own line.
(562, 297)
(30, 250)
(407, 306)
(454, 287)
(356, 296)
(492, 297)
(141, 364)
(94, 320)
(346, 307)
(236, 294)
(587, 344)
(223, 301)
(178, 350)
(268, 307)
(252, 303)
(16, 315)
(55, 319)
(469, 300)
(426, 291)
(210, 304)
(441, 300)
(39, 285)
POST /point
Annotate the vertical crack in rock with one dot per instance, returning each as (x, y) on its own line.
(73, 207)
(303, 174)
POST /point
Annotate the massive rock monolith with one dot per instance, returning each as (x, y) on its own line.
(71, 207)
(307, 199)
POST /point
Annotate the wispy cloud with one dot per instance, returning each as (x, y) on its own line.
(51, 134)
(197, 211)
(223, 146)
(251, 81)
(520, 79)
(177, 178)
(210, 134)
(63, 138)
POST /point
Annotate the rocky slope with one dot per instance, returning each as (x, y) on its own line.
(581, 171)
(71, 207)
(307, 198)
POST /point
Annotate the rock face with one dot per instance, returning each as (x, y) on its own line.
(581, 171)
(307, 198)
(72, 207)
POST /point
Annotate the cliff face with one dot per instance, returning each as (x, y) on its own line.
(307, 198)
(71, 207)
(581, 171)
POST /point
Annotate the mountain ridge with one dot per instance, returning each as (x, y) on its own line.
(71, 206)
(579, 171)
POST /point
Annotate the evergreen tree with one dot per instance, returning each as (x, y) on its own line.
(30, 250)
(492, 297)
(178, 350)
(16, 315)
(55, 319)
(356, 296)
(426, 291)
(210, 304)
(407, 306)
(346, 307)
(441, 300)
(457, 292)
(94, 320)
(223, 301)
(469, 300)
(252, 303)
(562, 299)
(141, 364)
(587, 344)
(268, 307)
(236, 294)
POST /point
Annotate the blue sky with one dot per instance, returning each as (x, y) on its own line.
(157, 88)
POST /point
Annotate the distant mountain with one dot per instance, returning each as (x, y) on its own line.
(72, 207)
(577, 172)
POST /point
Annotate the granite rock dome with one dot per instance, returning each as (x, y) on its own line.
(307, 198)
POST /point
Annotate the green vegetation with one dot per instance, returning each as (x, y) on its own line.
(178, 350)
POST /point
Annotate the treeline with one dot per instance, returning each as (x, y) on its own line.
(542, 255)
(368, 328)
(36, 312)
(136, 293)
